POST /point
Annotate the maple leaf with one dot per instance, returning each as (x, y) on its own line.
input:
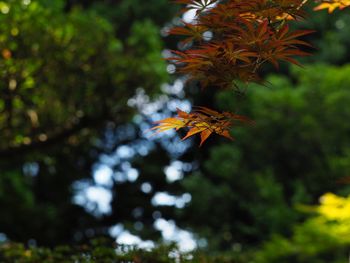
(203, 121)
(245, 35)
(168, 124)
(331, 5)
(193, 31)
(285, 37)
(233, 53)
(199, 5)
(283, 46)
(251, 34)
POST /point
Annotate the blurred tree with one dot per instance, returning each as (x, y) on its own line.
(330, 37)
(65, 78)
(322, 238)
(245, 191)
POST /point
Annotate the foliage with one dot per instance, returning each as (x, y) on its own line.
(241, 195)
(331, 5)
(295, 157)
(203, 121)
(30, 83)
(322, 238)
(65, 77)
(100, 251)
(243, 37)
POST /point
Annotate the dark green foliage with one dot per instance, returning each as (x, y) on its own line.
(65, 78)
(298, 150)
(330, 39)
(100, 251)
(75, 67)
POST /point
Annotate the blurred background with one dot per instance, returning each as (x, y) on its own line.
(83, 81)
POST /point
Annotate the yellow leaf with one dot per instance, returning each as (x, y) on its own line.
(168, 124)
(194, 131)
(204, 136)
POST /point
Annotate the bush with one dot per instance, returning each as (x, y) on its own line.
(321, 239)
(102, 251)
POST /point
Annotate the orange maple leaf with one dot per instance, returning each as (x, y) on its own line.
(331, 5)
(203, 121)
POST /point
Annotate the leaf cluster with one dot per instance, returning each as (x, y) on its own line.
(230, 41)
(203, 121)
(245, 36)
